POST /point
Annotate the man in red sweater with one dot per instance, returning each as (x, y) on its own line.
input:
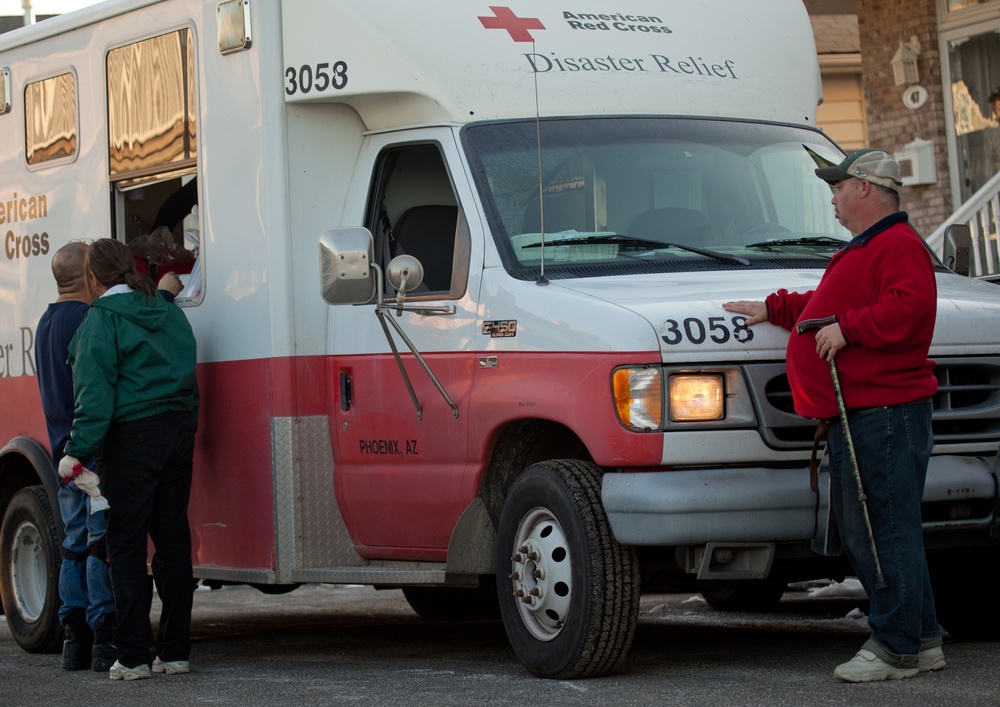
(882, 290)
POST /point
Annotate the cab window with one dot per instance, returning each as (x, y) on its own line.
(413, 211)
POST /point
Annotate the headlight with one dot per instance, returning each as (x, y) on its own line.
(696, 397)
(639, 397)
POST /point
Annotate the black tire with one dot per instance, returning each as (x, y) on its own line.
(965, 593)
(30, 559)
(275, 588)
(584, 604)
(454, 603)
(755, 597)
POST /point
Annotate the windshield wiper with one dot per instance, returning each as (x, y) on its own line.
(606, 239)
(630, 242)
(822, 241)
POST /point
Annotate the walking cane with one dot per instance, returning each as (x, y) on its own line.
(810, 325)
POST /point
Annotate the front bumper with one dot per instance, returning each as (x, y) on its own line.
(702, 506)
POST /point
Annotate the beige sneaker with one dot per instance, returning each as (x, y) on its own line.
(865, 666)
(120, 672)
(931, 659)
(171, 667)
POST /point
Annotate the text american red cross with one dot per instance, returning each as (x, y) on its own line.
(517, 27)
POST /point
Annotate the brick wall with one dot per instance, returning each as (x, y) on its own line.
(891, 125)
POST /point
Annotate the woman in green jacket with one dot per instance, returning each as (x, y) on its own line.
(136, 408)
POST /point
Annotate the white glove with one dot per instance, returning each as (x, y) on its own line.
(87, 481)
(99, 503)
(67, 467)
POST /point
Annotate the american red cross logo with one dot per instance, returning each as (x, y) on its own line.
(517, 27)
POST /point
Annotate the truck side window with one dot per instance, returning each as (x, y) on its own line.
(164, 232)
(50, 120)
(153, 156)
(413, 210)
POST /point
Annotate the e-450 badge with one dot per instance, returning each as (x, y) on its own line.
(501, 329)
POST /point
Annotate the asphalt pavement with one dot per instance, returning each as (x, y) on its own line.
(350, 645)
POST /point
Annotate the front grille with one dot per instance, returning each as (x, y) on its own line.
(967, 404)
(966, 407)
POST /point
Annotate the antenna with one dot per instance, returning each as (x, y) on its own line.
(542, 280)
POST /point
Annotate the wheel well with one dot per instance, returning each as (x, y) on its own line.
(520, 445)
(21, 462)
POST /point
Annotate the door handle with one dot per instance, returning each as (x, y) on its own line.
(346, 391)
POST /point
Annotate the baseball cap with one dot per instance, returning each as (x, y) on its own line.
(874, 165)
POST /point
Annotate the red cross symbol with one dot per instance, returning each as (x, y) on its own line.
(517, 27)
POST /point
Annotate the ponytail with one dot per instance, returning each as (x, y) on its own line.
(138, 281)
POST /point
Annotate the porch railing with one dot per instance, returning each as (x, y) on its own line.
(982, 214)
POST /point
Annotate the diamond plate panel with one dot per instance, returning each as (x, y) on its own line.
(234, 575)
(390, 573)
(310, 530)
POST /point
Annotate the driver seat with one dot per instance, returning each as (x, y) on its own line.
(428, 234)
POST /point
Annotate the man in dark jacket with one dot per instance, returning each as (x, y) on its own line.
(882, 290)
(87, 608)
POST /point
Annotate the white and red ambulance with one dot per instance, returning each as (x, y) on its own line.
(455, 270)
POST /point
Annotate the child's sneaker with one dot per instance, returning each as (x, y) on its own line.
(121, 672)
(171, 667)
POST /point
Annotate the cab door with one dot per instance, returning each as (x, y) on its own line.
(401, 470)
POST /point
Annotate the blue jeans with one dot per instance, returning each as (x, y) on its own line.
(892, 446)
(84, 580)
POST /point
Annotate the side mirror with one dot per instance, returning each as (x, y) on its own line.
(345, 265)
(404, 273)
(958, 243)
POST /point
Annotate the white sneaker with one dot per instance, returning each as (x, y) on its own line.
(120, 672)
(171, 667)
(931, 659)
(865, 666)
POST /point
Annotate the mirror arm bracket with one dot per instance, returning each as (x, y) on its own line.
(383, 312)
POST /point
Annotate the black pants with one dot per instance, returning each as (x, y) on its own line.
(145, 470)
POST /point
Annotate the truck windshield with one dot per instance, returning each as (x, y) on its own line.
(609, 196)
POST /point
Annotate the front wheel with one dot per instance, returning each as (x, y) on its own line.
(569, 592)
(29, 571)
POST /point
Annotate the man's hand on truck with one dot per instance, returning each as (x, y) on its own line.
(755, 311)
